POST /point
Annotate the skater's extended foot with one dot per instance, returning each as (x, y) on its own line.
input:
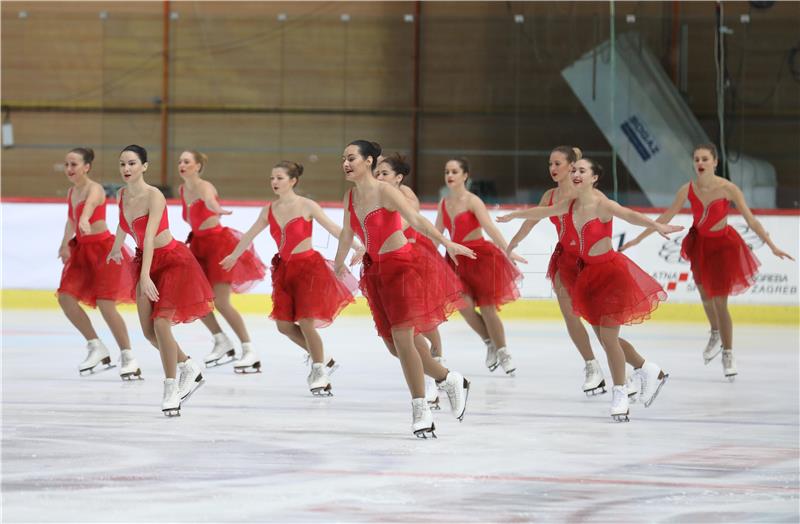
(330, 364)
(189, 379)
(222, 353)
(171, 403)
(729, 364)
(619, 404)
(594, 383)
(128, 366)
(457, 389)
(652, 379)
(422, 419)
(318, 381)
(713, 347)
(249, 362)
(504, 358)
(97, 358)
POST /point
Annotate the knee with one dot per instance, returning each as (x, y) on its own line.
(285, 328)
(65, 300)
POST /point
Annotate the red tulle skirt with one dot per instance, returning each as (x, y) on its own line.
(209, 246)
(184, 293)
(615, 291)
(305, 286)
(421, 240)
(491, 279)
(564, 265)
(721, 262)
(87, 277)
(408, 288)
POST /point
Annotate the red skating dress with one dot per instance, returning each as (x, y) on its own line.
(86, 275)
(210, 246)
(426, 248)
(403, 289)
(721, 262)
(563, 262)
(184, 293)
(491, 279)
(304, 284)
(610, 289)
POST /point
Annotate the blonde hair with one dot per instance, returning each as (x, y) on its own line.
(200, 158)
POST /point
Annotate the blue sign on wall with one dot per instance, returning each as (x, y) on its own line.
(640, 137)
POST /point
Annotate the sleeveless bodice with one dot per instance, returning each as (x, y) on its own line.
(290, 235)
(581, 242)
(557, 221)
(461, 225)
(379, 223)
(706, 217)
(138, 226)
(195, 214)
(98, 214)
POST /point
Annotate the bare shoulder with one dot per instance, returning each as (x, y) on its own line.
(155, 196)
(407, 192)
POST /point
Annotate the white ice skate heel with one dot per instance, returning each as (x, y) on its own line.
(729, 364)
(504, 358)
(128, 366)
(97, 359)
(457, 389)
(223, 352)
(422, 419)
(652, 379)
(619, 404)
(171, 404)
(633, 385)
(318, 381)
(594, 383)
(491, 355)
(713, 347)
(330, 365)
(431, 393)
(249, 363)
(189, 379)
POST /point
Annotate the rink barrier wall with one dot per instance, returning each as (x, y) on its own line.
(524, 309)
(32, 231)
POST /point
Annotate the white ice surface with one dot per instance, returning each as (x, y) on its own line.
(259, 448)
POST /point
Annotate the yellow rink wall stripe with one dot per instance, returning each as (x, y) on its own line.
(521, 309)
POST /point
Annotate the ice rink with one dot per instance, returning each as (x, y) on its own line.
(260, 448)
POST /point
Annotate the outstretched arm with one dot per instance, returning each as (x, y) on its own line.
(63, 250)
(638, 219)
(318, 214)
(258, 226)
(537, 213)
(209, 195)
(345, 239)
(737, 197)
(479, 208)
(119, 239)
(397, 201)
(666, 216)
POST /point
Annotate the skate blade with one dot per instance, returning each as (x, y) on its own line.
(658, 389)
(434, 405)
(129, 377)
(633, 398)
(175, 412)
(94, 370)
(466, 397)
(322, 392)
(512, 373)
(425, 432)
(599, 390)
(220, 362)
(731, 378)
(199, 381)
(621, 418)
(712, 357)
(247, 370)
(493, 366)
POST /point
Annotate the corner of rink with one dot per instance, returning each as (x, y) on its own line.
(523, 309)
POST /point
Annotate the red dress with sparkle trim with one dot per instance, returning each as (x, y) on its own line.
(211, 245)
(610, 289)
(86, 275)
(563, 262)
(491, 279)
(304, 284)
(184, 293)
(403, 288)
(721, 262)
